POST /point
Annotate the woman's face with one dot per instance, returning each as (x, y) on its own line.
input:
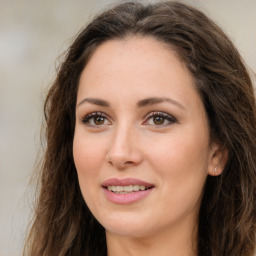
(141, 144)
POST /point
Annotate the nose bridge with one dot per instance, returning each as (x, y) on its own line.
(122, 138)
(123, 150)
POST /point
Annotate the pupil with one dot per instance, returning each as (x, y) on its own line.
(99, 120)
(158, 120)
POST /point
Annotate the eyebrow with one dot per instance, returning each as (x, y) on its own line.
(141, 103)
(94, 101)
(156, 100)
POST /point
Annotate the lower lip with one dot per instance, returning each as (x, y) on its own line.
(126, 198)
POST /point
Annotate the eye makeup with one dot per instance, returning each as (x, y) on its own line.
(96, 119)
(159, 119)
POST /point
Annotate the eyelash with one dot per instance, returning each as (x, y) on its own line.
(165, 117)
(86, 119)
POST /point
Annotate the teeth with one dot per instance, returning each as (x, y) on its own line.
(126, 189)
(142, 187)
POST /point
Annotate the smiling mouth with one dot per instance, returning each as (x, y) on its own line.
(127, 189)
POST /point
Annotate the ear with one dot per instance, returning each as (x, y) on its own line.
(217, 159)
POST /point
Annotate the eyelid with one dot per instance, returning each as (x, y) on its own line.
(86, 118)
(167, 117)
(164, 115)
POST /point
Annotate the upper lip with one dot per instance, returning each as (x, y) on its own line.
(125, 182)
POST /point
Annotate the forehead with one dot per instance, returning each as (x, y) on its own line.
(140, 67)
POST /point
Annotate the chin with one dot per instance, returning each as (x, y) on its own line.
(127, 231)
(125, 225)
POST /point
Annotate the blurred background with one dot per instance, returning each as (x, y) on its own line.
(33, 34)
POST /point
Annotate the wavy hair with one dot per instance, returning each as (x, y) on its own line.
(63, 225)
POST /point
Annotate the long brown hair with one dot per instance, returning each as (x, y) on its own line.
(63, 225)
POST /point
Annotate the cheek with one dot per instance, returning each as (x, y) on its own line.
(87, 153)
(179, 151)
(87, 158)
(181, 160)
(181, 169)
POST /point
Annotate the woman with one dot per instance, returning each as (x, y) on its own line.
(151, 140)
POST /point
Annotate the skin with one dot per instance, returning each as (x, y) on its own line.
(176, 156)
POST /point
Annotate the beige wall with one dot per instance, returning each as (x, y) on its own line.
(32, 36)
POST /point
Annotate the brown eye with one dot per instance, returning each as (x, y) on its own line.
(99, 120)
(158, 120)
(96, 119)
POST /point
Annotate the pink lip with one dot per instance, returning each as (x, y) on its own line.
(125, 182)
(128, 198)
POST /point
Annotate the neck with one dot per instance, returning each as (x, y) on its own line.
(178, 242)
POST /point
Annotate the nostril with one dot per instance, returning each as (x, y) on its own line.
(122, 159)
(128, 162)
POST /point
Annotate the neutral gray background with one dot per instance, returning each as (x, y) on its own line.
(32, 35)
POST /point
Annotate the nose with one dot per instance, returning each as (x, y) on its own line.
(124, 150)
